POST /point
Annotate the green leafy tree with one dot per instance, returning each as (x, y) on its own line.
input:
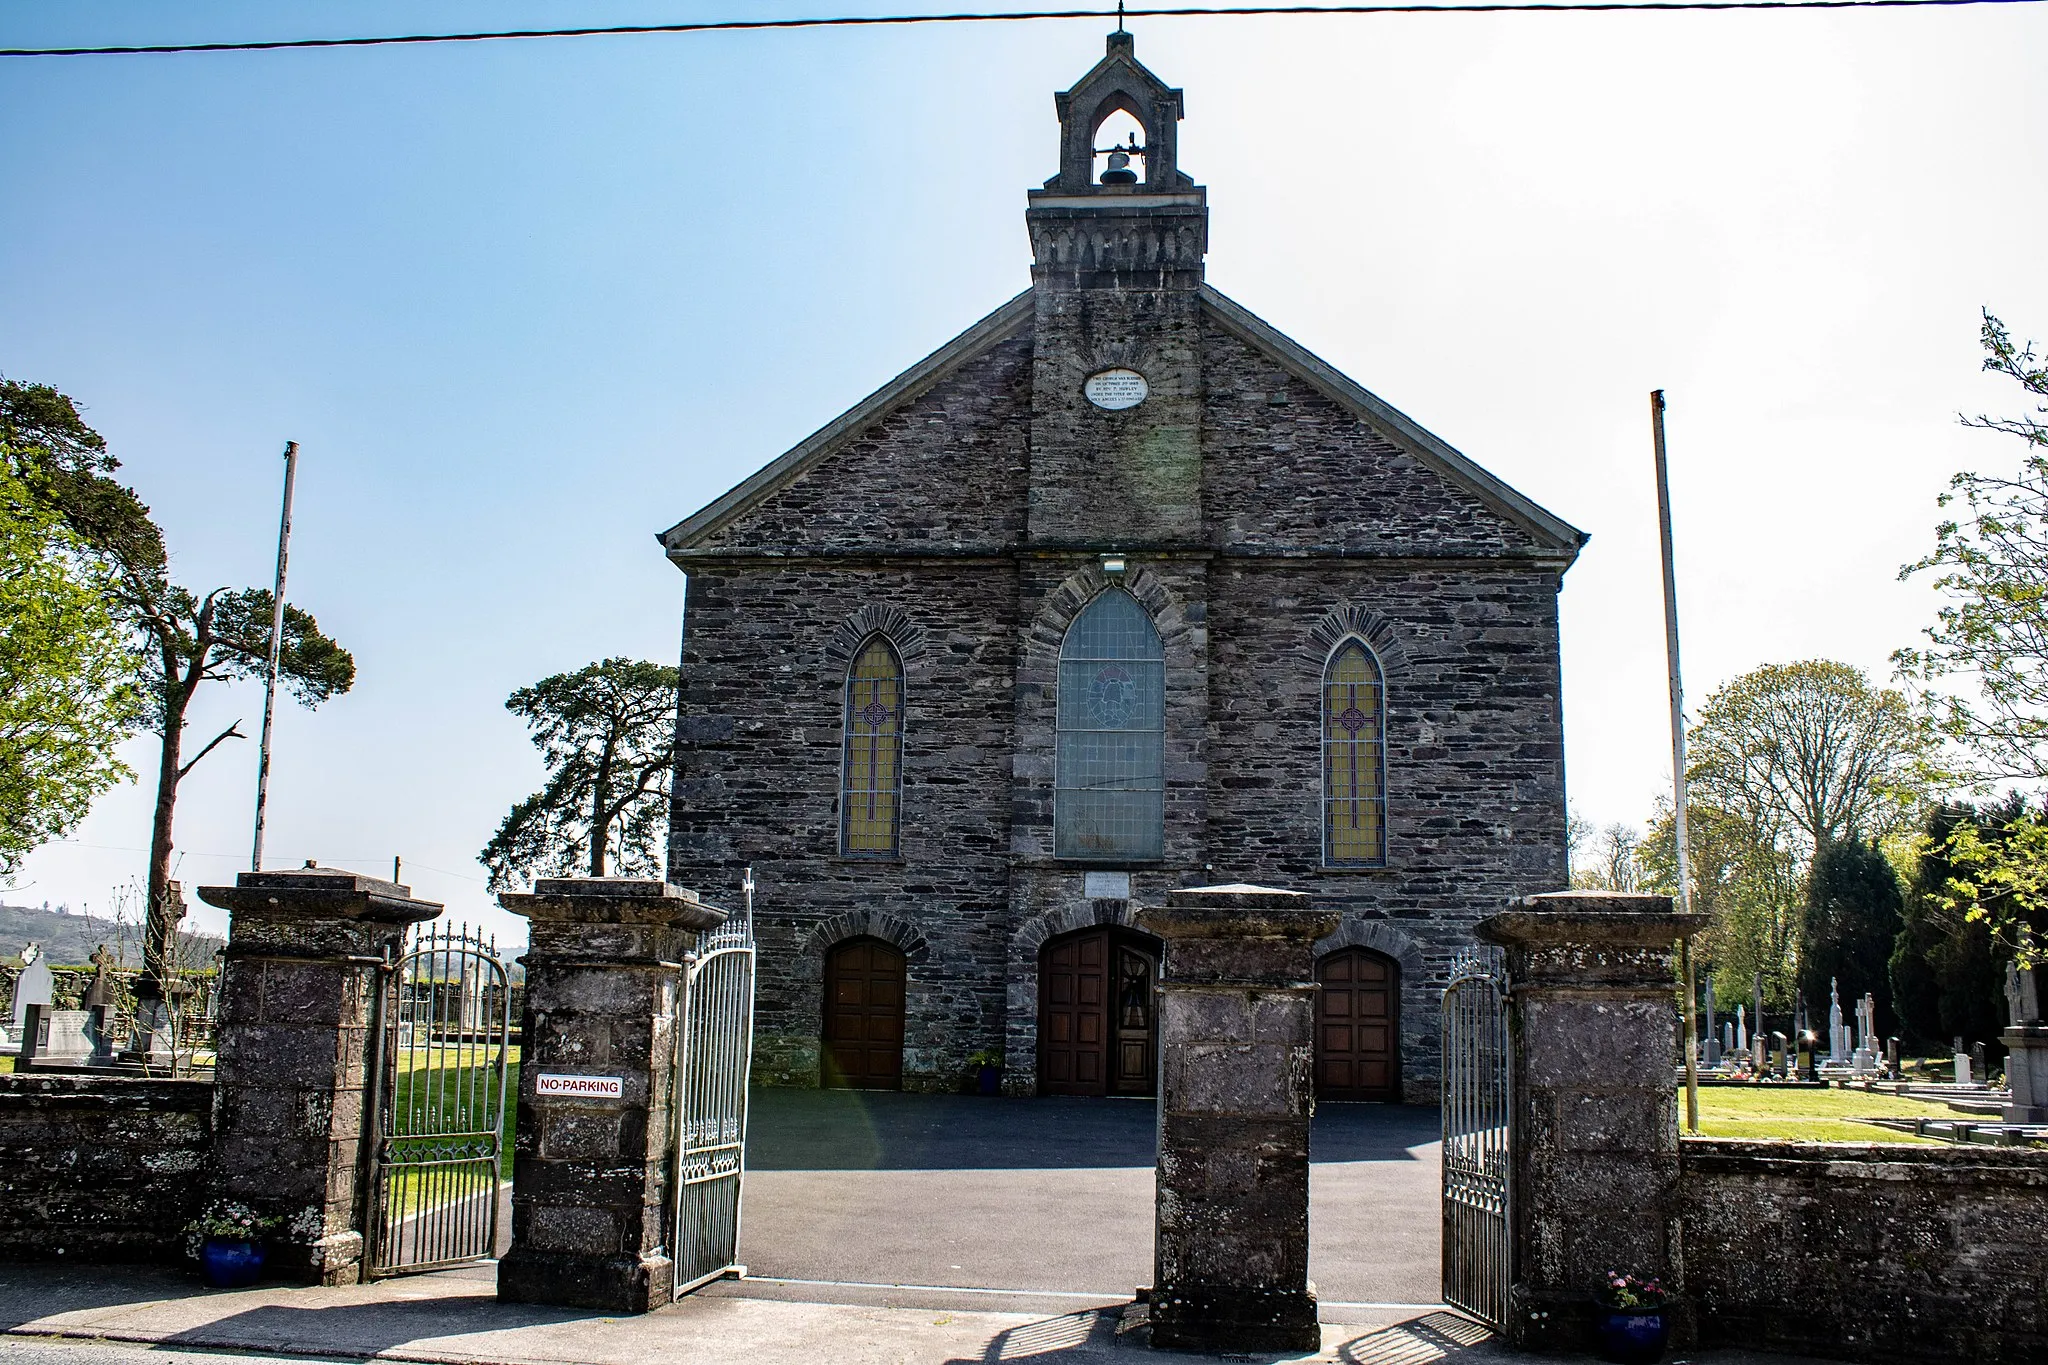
(1946, 967)
(1749, 888)
(68, 696)
(182, 640)
(1990, 562)
(1854, 912)
(607, 735)
(1807, 754)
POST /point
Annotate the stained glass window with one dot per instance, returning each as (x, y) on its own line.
(871, 766)
(1354, 759)
(1110, 790)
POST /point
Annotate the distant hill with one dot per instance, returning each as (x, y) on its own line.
(70, 939)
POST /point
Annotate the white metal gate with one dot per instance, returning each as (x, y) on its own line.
(1477, 1097)
(441, 1040)
(714, 1055)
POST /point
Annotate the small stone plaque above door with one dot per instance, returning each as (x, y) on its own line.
(1106, 886)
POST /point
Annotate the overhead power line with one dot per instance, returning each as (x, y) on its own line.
(873, 21)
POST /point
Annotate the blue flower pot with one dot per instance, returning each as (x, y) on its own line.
(1632, 1336)
(230, 1264)
(989, 1080)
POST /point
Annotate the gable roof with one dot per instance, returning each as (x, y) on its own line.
(1550, 531)
(1395, 425)
(791, 465)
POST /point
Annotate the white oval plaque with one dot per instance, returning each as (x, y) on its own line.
(1116, 389)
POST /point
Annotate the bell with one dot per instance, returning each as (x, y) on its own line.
(1119, 172)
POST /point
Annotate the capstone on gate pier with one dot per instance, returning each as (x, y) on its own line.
(1120, 590)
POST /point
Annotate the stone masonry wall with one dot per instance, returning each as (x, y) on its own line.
(1474, 758)
(1315, 526)
(758, 784)
(100, 1168)
(1875, 1253)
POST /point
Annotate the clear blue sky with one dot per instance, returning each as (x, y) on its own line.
(525, 304)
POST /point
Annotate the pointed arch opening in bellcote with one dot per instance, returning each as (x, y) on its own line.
(1120, 139)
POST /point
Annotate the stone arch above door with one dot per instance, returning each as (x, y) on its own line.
(1381, 937)
(880, 924)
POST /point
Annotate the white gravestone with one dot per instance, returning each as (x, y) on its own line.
(32, 987)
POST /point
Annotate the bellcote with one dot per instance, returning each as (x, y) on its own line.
(1123, 215)
(1119, 84)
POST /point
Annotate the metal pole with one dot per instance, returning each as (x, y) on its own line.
(1684, 850)
(284, 536)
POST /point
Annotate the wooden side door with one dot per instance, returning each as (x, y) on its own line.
(1358, 1033)
(1073, 1014)
(864, 1016)
(1137, 973)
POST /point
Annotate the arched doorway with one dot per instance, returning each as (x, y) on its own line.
(1097, 1030)
(864, 1016)
(1358, 1026)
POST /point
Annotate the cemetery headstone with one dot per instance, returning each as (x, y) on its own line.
(1713, 1038)
(1962, 1060)
(1891, 1058)
(32, 987)
(2026, 1048)
(60, 1038)
(1980, 1066)
(1838, 1050)
(1741, 1028)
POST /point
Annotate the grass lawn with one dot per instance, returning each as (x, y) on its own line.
(1805, 1115)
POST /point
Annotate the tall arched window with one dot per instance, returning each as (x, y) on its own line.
(1110, 789)
(871, 761)
(1354, 759)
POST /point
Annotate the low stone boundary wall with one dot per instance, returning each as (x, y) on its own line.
(100, 1168)
(1881, 1252)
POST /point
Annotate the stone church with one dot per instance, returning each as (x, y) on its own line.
(1119, 590)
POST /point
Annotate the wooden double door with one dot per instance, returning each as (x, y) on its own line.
(864, 980)
(1358, 1026)
(1097, 1014)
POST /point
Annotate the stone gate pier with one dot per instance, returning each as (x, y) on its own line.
(1236, 1031)
(1594, 1109)
(305, 949)
(592, 1164)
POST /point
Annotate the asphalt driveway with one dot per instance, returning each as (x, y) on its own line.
(1054, 1194)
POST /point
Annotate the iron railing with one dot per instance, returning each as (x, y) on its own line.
(1478, 1243)
(441, 1042)
(714, 1052)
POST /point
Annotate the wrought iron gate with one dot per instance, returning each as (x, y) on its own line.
(441, 1041)
(714, 1055)
(1477, 1090)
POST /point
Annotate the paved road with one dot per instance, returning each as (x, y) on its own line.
(1054, 1194)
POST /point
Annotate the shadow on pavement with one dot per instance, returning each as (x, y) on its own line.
(872, 1130)
(365, 1328)
(32, 1292)
(1423, 1341)
(1091, 1334)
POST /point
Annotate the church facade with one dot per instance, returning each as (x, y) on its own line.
(1118, 591)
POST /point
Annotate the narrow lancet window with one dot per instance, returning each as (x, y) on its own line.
(1110, 789)
(1354, 759)
(871, 763)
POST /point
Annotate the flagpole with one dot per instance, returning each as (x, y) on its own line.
(1684, 851)
(284, 536)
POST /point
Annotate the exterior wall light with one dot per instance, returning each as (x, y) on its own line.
(1112, 566)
